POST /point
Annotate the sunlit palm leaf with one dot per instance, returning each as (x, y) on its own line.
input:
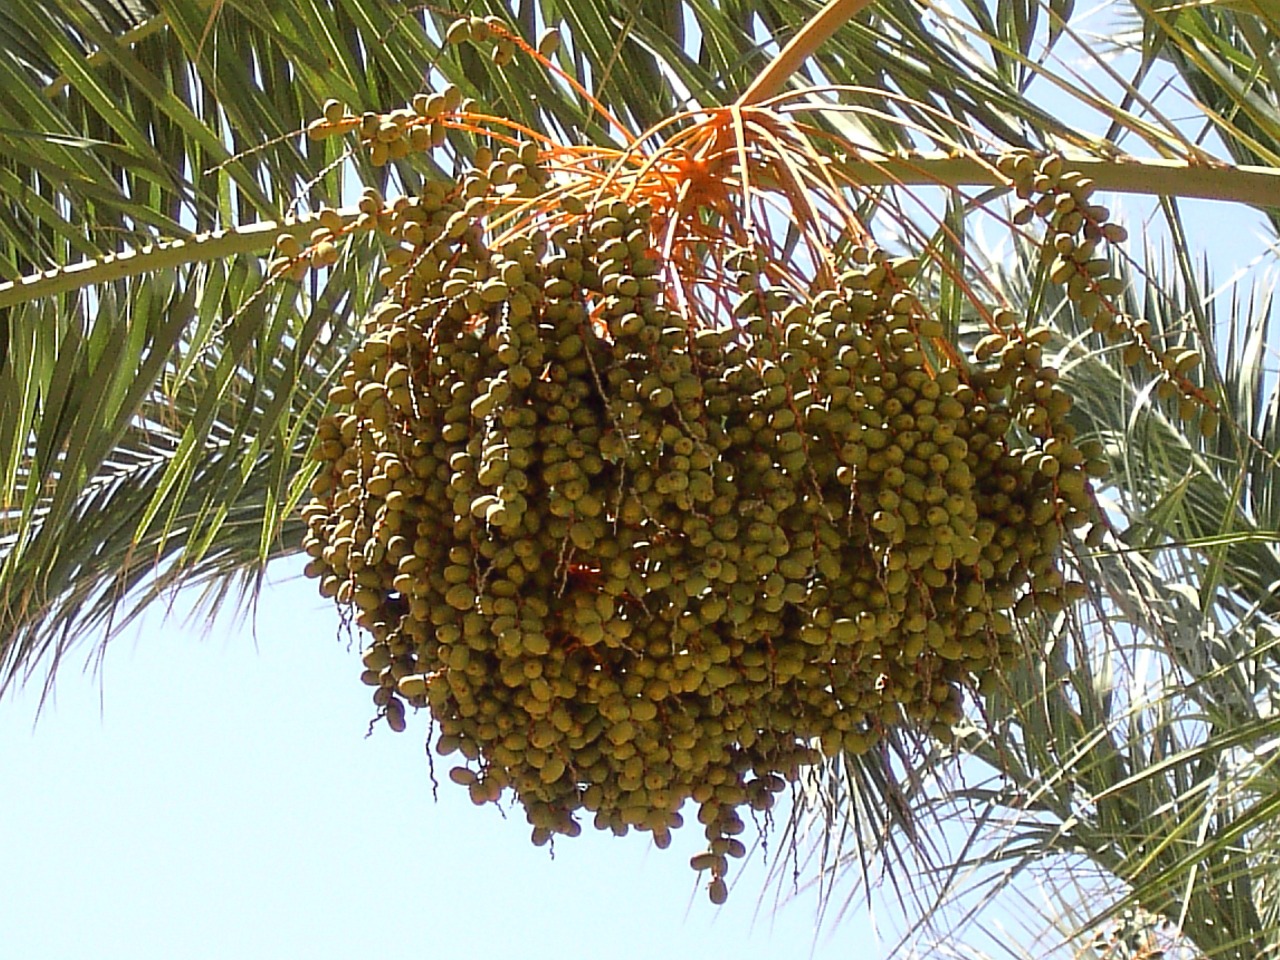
(163, 439)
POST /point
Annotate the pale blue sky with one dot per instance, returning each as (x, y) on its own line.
(223, 801)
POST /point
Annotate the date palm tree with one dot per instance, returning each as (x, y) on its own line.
(160, 386)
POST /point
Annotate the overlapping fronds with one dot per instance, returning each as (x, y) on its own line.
(1133, 766)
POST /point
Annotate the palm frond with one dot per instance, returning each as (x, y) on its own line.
(161, 441)
(154, 425)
